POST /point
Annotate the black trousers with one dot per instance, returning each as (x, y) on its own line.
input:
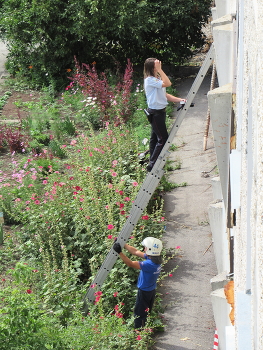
(144, 304)
(159, 134)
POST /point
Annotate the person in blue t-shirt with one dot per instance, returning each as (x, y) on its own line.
(155, 83)
(150, 270)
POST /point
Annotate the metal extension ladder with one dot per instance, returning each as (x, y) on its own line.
(148, 187)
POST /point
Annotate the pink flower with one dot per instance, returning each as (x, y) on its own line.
(135, 183)
(110, 185)
(138, 337)
(18, 200)
(44, 182)
(145, 217)
(114, 163)
(33, 177)
(115, 294)
(110, 236)
(170, 274)
(99, 293)
(37, 202)
(114, 174)
(73, 142)
(127, 199)
(110, 227)
(93, 285)
(121, 193)
(178, 247)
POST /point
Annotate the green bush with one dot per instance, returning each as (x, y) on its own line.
(43, 37)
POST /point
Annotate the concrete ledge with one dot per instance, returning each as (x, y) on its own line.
(220, 105)
(216, 214)
(216, 188)
(227, 19)
(223, 42)
(219, 281)
(221, 311)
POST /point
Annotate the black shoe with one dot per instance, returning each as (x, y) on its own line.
(149, 168)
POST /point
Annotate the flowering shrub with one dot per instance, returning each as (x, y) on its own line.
(72, 198)
(72, 215)
(23, 314)
(111, 103)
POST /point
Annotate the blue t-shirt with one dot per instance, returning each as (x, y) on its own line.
(155, 93)
(148, 275)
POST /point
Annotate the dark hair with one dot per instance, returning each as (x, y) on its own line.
(149, 67)
(156, 259)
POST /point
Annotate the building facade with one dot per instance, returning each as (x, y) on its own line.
(236, 214)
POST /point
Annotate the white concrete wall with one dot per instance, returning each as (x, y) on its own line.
(243, 67)
(249, 230)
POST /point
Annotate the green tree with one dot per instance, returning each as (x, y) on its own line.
(45, 35)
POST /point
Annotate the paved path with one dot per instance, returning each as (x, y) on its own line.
(186, 295)
(3, 53)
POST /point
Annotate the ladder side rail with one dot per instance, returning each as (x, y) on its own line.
(148, 187)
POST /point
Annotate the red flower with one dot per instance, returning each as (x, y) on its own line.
(110, 227)
(115, 294)
(29, 291)
(78, 188)
(99, 293)
(145, 217)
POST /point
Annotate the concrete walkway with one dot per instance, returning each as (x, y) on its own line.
(3, 54)
(186, 295)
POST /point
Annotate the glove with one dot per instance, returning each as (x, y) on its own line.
(117, 247)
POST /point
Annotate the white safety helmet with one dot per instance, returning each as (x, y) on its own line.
(153, 246)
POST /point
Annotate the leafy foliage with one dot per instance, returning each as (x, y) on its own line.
(43, 37)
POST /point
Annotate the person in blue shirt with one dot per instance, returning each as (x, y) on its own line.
(150, 269)
(155, 84)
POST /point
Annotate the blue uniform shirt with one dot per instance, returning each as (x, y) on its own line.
(155, 93)
(148, 275)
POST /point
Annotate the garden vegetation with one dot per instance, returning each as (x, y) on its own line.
(73, 176)
(44, 36)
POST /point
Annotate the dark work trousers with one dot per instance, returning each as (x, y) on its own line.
(144, 304)
(159, 134)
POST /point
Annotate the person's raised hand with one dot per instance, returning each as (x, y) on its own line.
(158, 65)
